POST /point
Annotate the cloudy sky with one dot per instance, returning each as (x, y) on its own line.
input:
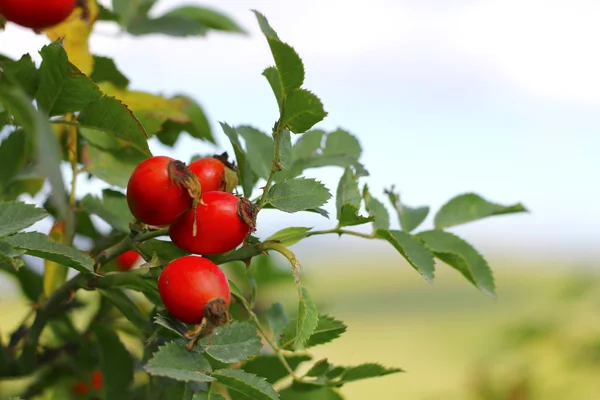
(498, 97)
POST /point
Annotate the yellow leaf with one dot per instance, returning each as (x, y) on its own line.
(152, 110)
(75, 32)
(55, 274)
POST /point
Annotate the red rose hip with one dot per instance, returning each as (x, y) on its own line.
(37, 14)
(160, 190)
(127, 260)
(214, 173)
(189, 284)
(223, 221)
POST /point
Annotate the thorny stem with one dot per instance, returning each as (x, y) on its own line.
(127, 243)
(276, 165)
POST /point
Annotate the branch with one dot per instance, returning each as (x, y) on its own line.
(276, 165)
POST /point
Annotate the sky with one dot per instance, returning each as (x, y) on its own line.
(500, 98)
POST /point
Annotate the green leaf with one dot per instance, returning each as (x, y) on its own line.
(366, 371)
(113, 117)
(460, 255)
(116, 363)
(47, 150)
(471, 207)
(308, 318)
(40, 245)
(233, 342)
(165, 250)
(277, 320)
(319, 368)
(415, 252)
(23, 72)
(272, 76)
(288, 62)
(290, 236)
(410, 218)
(298, 194)
(259, 150)
(342, 145)
(246, 383)
(63, 87)
(105, 70)
(30, 282)
(115, 166)
(302, 110)
(308, 145)
(174, 361)
(198, 127)
(128, 308)
(13, 153)
(127, 280)
(112, 208)
(286, 150)
(269, 366)
(349, 216)
(376, 209)
(208, 396)
(246, 175)
(328, 329)
(319, 393)
(208, 18)
(170, 323)
(347, 192)
(16, 216)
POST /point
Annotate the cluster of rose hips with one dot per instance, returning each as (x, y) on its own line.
(204, 218)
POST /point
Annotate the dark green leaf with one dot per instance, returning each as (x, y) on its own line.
(30, 282)
(286, 150)
(128, 308)
(302, 110)
(166, 251)
(319, 368)
(246, 383)
(37, 126)
(269, 366)
(170, 323)
(470, 207)
(460, 255)
(63, 87)
(259, 150)
(23, 72)
(277, 320)
(176, 362)
(116, 363)
(233, 342)
(290, 236)
(111, 116)
(289, 66)
(410, 218)
(366, 371)
(40, 245)
(16, 216)
(105, 70)
(347, 192)
(112, 208)
(208, 396)
(298, 194)
(376, 209)
(272, 76)
(308, 318)
(415, 252)
(13, 152)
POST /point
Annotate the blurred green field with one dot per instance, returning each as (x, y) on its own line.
(446, 334)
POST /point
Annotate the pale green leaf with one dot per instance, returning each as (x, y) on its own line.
(298, 194)
(289, 236)
(16, 216)
(415, 252)
(174, 361)
(302, 110)
(246, 383)
(232, 343)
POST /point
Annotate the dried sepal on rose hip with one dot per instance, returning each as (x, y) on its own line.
(224, 220)
(36, 14)
(192, 288)
(215, 173)
(161, 189)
